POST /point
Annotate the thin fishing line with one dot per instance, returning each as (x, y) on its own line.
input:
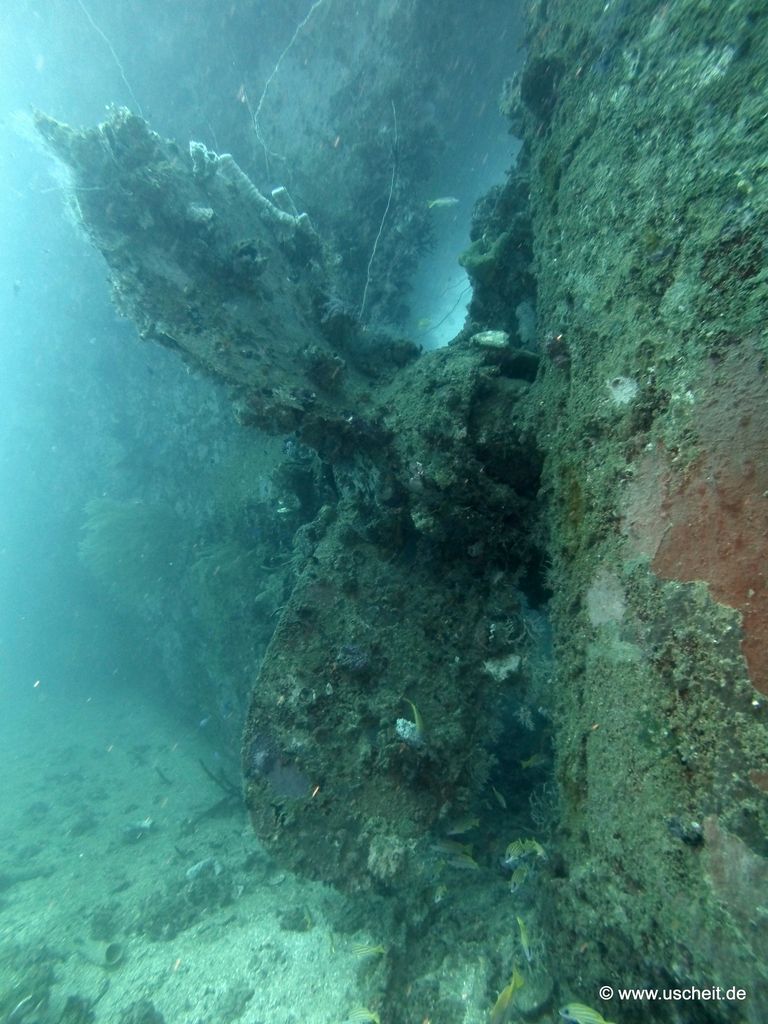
(384, 217)
(116, 59)
(274, 71)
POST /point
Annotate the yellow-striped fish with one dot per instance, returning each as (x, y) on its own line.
(519, 849)
(362, 1015)
(518, 878)
(365, 950)
(499, 1008)
(538, 849)
(514, 854)
(499, 798)
(578, 1013)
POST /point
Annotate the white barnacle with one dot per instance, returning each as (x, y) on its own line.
(409, 732)
(622, 390)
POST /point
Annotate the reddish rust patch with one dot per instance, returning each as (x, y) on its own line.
(710, 523)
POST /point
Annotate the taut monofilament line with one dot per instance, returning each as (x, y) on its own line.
(384, 215)
(116, 59)
(271, 77)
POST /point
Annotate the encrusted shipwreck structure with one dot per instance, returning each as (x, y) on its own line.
(645, 145)
(634, 456)
(403, 574)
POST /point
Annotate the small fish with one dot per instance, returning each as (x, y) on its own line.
(451, 847)
(525, 944)
(363, 1014)
(440, 893)
(514, 854)
(418, 721)
(461, 825)
(536, 848)
(365, 951)
(499, 1008)
(442, 202)
(424, 323)
(519, 878)
(578, 1013)
(464, 861)
(534, 761)
(512, 858)
(499, 798)
(519, 849)
(138, 830)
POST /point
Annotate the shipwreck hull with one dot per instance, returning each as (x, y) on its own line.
(643, 132)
